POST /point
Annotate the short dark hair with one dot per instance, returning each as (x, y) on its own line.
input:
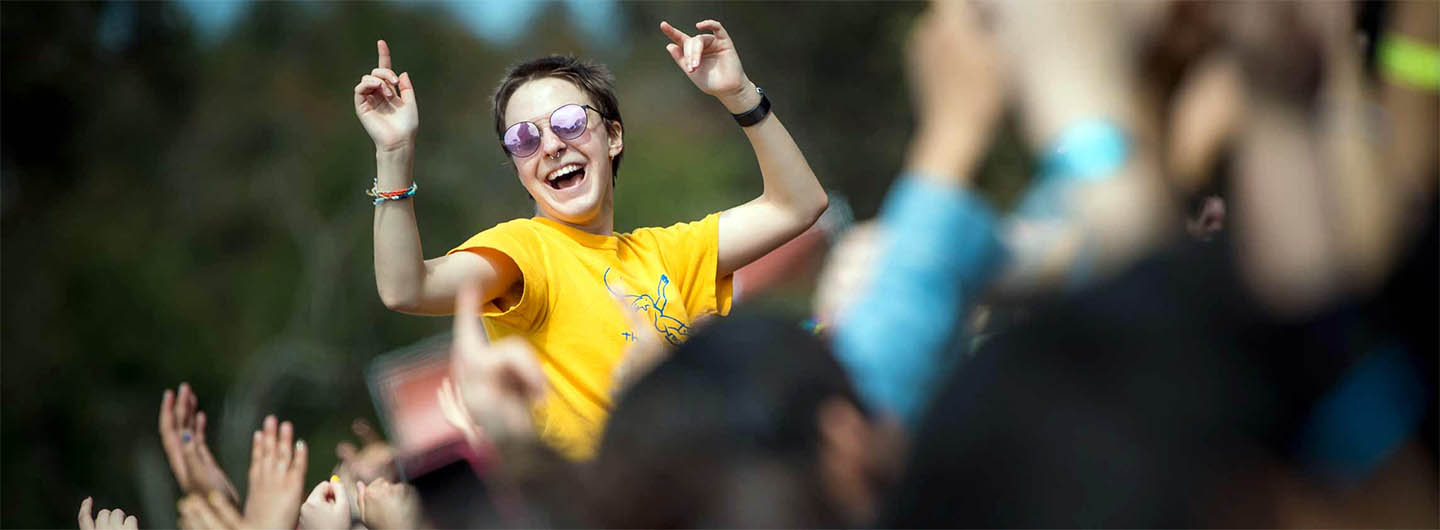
(742, 396)
(593, 78)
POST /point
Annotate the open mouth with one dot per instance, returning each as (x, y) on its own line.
(565, 177)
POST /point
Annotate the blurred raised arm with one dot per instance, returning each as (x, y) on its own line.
(939, 248)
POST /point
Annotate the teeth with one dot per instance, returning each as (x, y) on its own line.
(564, 170)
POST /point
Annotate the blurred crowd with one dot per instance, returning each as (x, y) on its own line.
(1214, 305)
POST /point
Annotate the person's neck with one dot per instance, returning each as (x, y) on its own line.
(603, 224)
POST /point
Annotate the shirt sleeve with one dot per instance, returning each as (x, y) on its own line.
(690, 253)
(520, 242)
(941, 251)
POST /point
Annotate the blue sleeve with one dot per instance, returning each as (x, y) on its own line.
(941, 250)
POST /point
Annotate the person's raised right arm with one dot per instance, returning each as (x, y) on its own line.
(386, 105)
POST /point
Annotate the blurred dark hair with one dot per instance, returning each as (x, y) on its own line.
(594, 79)
(740, 399)
(521, 484)
(1132, 405)
(1165, 397)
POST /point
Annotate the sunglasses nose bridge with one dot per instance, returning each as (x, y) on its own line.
(550, 143)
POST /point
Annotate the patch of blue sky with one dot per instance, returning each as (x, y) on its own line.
(599, 20)
(213, 17)
(505, 21)
(497, 21)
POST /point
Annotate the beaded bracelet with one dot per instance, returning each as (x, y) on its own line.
(395, 195)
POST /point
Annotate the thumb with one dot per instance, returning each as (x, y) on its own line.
(341, 497)
(407, 89)
(317, 495)
(85, 520)
(360, 498)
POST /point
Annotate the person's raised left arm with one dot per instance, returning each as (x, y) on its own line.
(793, 198)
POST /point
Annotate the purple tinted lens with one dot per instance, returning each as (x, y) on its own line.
(522, 139)
(568, 122)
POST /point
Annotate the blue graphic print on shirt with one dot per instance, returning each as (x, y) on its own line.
(667, 326)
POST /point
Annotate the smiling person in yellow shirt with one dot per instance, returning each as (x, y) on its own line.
(552, 278)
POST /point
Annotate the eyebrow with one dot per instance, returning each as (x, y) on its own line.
(545, 115)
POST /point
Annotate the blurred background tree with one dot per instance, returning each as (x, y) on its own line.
(181, 201)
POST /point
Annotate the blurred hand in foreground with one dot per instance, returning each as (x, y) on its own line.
(453, 408)
(327, 508)
(958, 87)
(106, 519)
(277, 475)
(373, 459)
(182, 435)
(499, 383)
(209, 512)
(388, 506)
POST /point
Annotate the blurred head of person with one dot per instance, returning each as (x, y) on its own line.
(559, 122)
(1167, 397)
(752, 422)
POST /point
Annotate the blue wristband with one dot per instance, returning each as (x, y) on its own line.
(1088, 150)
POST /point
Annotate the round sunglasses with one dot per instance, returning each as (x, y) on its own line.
(567, 122)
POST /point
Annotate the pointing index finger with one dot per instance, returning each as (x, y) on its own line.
(676, 36)
(467, 329)
(384, 51)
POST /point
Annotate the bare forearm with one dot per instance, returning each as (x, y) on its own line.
(791, 202)
(399, 261)
(790, 184)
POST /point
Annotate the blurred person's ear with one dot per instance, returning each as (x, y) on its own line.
(848, 456)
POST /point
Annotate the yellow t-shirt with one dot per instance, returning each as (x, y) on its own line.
(563, 306)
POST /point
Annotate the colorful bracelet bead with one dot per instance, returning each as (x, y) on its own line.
(393, 195)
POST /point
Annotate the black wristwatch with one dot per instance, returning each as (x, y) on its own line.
(753, 116)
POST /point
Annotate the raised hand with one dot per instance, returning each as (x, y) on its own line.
(375, 458)
(956, 78)
(454, 410)
(498, 383)
(710, 61)
(387, 506)
(106, 519)
(386, 106)
(277, 476)
(327, 508)
(182, 435)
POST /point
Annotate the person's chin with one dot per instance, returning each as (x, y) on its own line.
(577, 211)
